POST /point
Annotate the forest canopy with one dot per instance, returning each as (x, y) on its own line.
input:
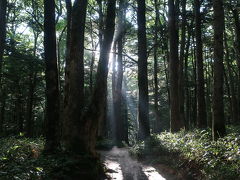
(77, 75)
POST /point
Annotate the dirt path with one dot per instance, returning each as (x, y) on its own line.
(122, 167)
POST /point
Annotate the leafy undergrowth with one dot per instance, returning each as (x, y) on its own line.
(22, 159)
(196, 152)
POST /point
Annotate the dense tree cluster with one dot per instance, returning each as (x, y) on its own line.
(76, 71)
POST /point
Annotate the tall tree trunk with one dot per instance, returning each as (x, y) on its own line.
(75, 97)
(29, 118)
(101, 23)
(3, 9)
(31, 89)
(93, 44)
(181, 62)
(201, 105)
(2, 112)
(156, 127)
(52, 87)
(118, 77)
(218, 106)
(68, 40)
(234, 103)
(125, 111)
(186, 80)
(175, 121)
(143, 103)
(96, 110)
(237, 49)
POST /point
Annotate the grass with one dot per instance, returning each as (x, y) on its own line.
(22, 159)
(214, 159)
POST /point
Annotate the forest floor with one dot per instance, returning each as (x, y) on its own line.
(121, 166)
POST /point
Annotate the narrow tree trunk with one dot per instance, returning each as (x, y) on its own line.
(218, 106)
(201, 105)
(186, 83)
(175, 121)
(67, 61)
(2, 112)
(3, 9)
(101, 23)
(31, 89)
(143, 106)
(234, 103)
(156, 127)
(92, 59)
(181, 62)
(32, 85)
(229, 117)
(52, 87)
(237, 49)
(125, 111)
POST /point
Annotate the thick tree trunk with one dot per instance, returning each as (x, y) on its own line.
(143, 103)
(201, 105)
(75, 96)
(88, 125)
(218, 106)
(95, 112)
(52, 87)
(175, 121)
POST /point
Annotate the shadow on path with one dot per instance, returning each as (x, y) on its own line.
(120, 166)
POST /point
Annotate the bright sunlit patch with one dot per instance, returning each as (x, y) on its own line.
(114, 170)
(152, 173)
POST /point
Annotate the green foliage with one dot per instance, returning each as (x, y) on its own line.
(218, 159)
(18, 158)
(22, 159)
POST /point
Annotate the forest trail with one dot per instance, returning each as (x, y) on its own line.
(120, 166)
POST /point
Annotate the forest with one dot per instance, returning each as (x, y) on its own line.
(119, 89)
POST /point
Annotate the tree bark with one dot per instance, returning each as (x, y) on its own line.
(52, 86)
(201, 104)
(181, 62)
(75, 96)
(175, 121)
(233, 98)
(3, 9)
(96, 110)
(67, 61)
(218, 106)
(29, 118)
(237, 49)
(157, 126)
(143, 103)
